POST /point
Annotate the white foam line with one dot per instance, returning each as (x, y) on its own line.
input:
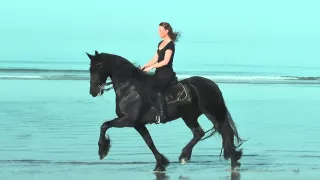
(22, 77)
(182, 76)
(242, 77)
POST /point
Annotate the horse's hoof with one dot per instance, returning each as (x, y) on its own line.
(184, 160)
(159, 169)
(104, 147)
(164, 161)
(102, 155)
(235, 165)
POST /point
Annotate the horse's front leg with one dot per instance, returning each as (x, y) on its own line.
(162, 161)
(104, 142)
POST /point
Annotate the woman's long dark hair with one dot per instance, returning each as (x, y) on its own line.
(174, 36)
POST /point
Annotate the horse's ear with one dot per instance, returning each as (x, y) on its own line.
(90, 56)
(96, 52)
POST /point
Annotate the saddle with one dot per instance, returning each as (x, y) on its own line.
(177, 92)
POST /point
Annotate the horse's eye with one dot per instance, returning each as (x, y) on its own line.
(100, 65)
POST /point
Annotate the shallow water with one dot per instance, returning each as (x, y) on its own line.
(266, 64)
(50, 130)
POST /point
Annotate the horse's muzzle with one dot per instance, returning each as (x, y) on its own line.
(97, 91)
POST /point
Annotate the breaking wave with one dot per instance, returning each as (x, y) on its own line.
(58, 74)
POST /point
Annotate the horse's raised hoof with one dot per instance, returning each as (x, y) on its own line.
(183, 159)
(104, 147)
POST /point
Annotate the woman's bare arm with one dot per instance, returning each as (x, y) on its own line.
(165, 61)
(152, 61)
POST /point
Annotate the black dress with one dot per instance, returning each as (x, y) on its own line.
(164, 75)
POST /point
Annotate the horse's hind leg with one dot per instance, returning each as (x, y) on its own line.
(197, 132)
(162, 161)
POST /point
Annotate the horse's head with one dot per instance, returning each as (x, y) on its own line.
(98, 74)
(104, 65)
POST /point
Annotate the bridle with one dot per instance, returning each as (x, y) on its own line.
(101, 86)
(106, 84)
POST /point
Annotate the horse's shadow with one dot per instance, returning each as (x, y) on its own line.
(164, 176)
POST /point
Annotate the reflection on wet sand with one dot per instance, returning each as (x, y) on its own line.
(161, 176)
(235, 175)
(164, 176)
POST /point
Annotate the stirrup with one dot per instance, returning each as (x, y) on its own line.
(158, 119)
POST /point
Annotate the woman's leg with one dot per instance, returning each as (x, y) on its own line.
(159, 84)
(162, 107)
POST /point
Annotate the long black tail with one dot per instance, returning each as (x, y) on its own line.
(212, 104)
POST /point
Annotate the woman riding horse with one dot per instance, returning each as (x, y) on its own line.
(162, 61)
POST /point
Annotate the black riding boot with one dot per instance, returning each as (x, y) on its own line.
(161, 103)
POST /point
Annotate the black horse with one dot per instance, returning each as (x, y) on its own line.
(186, 99)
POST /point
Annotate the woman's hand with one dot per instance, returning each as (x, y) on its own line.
(147, 69)
(143, 67)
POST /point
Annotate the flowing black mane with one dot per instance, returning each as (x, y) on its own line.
(125, 67)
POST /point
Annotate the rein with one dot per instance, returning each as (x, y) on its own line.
(110, 83)
(108, 89)
(104, 84)
(107, 84)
